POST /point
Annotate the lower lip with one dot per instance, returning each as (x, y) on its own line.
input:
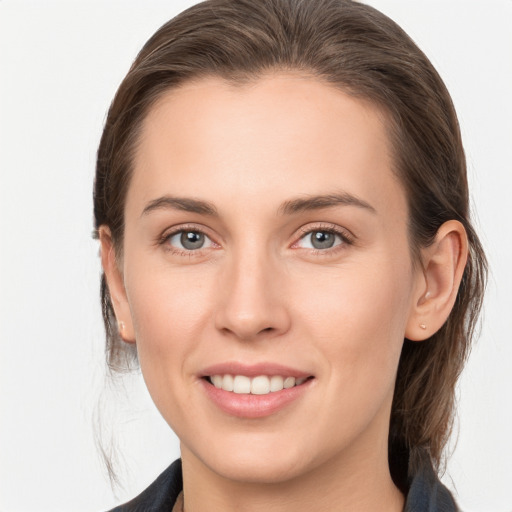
(254, 406)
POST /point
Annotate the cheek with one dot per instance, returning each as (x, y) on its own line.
(167, 303)
(169, 309)
(357, 321)
(358, 316)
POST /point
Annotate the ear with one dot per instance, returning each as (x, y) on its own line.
(116, 287)
(443, 265)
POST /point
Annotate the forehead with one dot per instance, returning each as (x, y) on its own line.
(279, 134)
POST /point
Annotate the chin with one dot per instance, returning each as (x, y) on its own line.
(259, 469)
(258, 460)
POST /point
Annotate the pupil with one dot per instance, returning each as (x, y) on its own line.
(322, 240)
(192, 240)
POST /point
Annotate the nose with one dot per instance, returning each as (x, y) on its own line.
(252, 302)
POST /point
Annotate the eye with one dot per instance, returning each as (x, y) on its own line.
(189, 240)
(321, 239)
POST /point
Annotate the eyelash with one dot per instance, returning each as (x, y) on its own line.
(346, 237)
(164, 239)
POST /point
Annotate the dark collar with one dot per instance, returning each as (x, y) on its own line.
(426, 492)
(160, 496)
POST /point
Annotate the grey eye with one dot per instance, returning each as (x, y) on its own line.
(189, 240)
(320, 239)
(192, 240)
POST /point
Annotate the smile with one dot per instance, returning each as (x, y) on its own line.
(258, 385)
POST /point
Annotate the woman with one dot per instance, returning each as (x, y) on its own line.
(282, 205)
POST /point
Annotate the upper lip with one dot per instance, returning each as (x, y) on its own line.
(253, 370)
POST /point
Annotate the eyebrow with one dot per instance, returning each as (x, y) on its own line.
(185, 204)
(318, 202)
(290, 207)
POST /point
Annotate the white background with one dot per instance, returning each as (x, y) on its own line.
(60, 64)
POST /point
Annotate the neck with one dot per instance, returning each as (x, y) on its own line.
(351, 483)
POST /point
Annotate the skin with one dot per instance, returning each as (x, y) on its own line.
(257, 291)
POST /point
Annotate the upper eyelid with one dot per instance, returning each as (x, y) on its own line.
(332, 228)
(173, 230)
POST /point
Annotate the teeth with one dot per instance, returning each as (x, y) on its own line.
(242, 384)
(217, 381)
(289, 382)
(227, 382)
(260, 385)
(276, 383)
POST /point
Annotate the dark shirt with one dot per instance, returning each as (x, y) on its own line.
(426, 493)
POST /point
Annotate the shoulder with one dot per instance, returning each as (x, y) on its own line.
(160, 495)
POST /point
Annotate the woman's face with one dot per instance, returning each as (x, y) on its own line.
(266, 236)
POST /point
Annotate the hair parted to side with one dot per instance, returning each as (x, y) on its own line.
(362, 52)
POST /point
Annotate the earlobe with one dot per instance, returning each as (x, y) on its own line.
(116, 286)
(443, 267)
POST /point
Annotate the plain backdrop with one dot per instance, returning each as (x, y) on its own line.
(60, 64)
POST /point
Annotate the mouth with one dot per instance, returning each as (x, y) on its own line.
(257, 385)
(255, 391)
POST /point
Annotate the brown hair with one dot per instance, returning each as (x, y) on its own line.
(364, 53)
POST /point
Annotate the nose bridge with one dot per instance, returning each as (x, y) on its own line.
(252, 301)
